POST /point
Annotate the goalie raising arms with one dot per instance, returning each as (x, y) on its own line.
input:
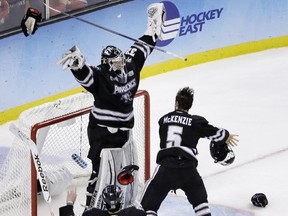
(113, 84)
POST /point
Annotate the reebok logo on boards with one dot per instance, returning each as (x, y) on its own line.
(176, 25)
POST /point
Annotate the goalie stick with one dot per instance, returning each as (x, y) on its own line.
(114, 32)
(36, 159)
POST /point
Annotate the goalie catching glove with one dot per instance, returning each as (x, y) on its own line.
(72, 59)
(29, 23)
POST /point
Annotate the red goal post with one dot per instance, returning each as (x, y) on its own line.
(60, 129)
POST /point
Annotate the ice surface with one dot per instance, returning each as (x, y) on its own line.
(248, 95)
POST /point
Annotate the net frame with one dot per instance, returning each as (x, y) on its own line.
(32, 128)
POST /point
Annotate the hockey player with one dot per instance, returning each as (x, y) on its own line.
(113, 84)
(177, 163)
(112, 196)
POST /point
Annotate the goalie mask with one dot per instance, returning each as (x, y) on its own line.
(221, 153)
(114, 58)
(112, 196)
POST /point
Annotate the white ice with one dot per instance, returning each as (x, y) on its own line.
(248, 95)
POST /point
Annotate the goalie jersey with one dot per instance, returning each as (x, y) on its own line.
(113, 105)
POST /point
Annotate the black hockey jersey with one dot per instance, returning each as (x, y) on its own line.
(179, 135)
(131, 211)
(113, 105)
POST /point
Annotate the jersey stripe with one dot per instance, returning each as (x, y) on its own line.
(109, 115)
(144, 48)
(219, 136)
(88, 81)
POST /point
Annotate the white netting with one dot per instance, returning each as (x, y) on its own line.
(54, 109)
(15, 184)
(64, 134)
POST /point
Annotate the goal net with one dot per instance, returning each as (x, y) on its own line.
(60, 130)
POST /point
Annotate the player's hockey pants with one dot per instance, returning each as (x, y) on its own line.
(166, 179)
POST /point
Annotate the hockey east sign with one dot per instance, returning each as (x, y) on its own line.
(175, 24)
(194, 23)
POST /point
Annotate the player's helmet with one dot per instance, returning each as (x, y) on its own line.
(114, 58)
(126, 177)
(112, 196)
(259, 200)
(221, 153)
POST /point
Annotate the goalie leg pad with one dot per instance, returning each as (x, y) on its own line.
(113, 160)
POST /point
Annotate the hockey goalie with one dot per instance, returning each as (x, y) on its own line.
(113, 83)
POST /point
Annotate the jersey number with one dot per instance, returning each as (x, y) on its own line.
(174, 136)
(131, 52)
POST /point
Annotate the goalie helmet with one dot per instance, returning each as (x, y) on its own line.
(112, 196)
(221, 153)
(114, 58)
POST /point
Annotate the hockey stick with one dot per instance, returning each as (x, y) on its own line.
(115, 32)
(37, 161)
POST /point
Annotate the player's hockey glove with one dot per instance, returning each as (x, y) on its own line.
(72, 59)
(29, 23)
(156, 16)
(125, 177)
(259, 200)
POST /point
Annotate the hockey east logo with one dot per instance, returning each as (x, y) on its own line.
(175, 25)
(194, 22)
